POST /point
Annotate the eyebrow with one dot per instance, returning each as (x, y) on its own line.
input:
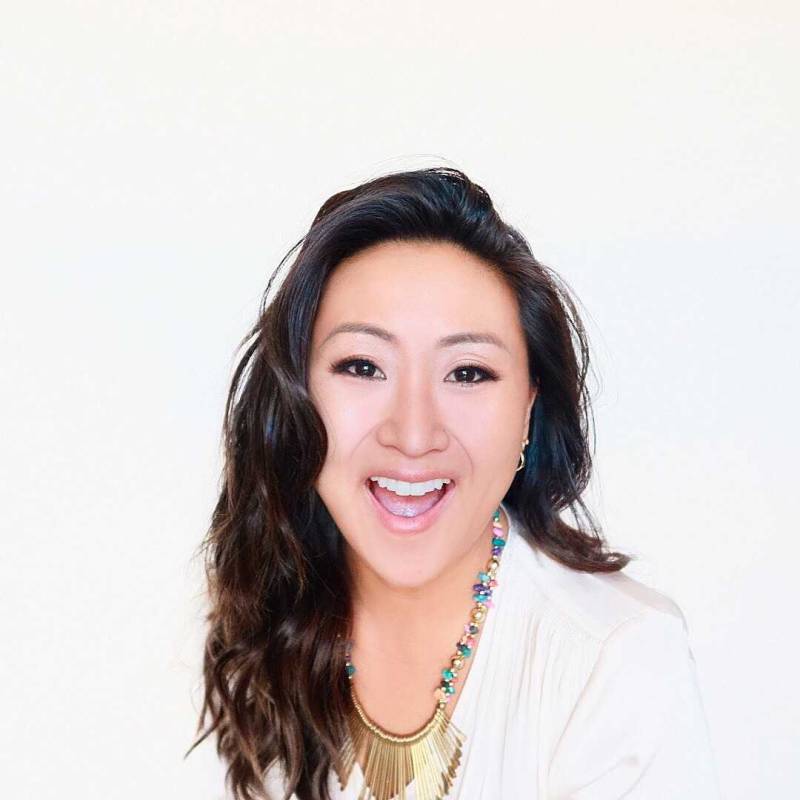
(468, 337)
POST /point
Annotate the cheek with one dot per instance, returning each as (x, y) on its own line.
(489, 432)
(348, 417)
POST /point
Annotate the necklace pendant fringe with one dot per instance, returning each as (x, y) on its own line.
(430, 757)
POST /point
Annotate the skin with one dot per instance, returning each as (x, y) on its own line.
(414, 406)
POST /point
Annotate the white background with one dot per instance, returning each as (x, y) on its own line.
(157, 161)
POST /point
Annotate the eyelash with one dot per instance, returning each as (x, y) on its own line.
(341, 367)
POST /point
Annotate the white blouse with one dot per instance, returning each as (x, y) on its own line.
(583, 688)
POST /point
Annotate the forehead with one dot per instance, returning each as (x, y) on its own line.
(423, 287)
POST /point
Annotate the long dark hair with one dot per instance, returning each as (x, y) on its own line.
(276, 692)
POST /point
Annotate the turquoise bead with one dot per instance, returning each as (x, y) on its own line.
(498, 542)
(351, 670)
(447, 674)
(496, 515)
(484, 577)
(449, 688)
(464, 650)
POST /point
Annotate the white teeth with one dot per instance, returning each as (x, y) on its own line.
(404, 488)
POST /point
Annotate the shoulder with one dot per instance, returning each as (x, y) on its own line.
(625, 715)
(598, 604)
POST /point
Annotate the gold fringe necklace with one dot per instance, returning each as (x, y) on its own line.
(430, 756)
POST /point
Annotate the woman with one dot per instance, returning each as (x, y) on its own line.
(397, 606)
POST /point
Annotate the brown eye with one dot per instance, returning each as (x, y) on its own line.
(468, 370)
(363, 368)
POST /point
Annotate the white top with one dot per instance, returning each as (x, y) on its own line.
(583, 688)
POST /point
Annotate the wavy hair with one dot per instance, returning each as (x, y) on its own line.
(275, 689)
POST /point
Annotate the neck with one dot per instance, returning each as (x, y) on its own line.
(402, 624)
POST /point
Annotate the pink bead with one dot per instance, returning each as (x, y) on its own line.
(489, 604)
(470, 642)
(492, 582)
(466, 628)
(498, 531)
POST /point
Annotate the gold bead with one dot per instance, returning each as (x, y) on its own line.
(478, 614)
(457, 662)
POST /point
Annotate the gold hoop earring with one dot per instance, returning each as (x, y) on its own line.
(522, 456)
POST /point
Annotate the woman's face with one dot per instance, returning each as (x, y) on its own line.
(398, 402)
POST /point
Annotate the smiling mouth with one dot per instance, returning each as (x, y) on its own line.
(408, 505)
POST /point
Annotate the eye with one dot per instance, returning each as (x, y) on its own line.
(343, 367)
(364, 368)
(471, 369)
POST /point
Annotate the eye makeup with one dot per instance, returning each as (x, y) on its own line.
(343, 367)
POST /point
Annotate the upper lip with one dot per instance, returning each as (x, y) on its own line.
(411, 476)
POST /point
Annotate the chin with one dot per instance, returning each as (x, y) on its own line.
(403, 569)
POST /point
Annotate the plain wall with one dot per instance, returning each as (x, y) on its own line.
(159, 159)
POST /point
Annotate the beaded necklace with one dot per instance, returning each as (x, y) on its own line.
(431, 755)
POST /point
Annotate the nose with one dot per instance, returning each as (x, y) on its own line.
(414, 422)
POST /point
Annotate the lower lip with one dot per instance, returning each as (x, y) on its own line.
(410, 525)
